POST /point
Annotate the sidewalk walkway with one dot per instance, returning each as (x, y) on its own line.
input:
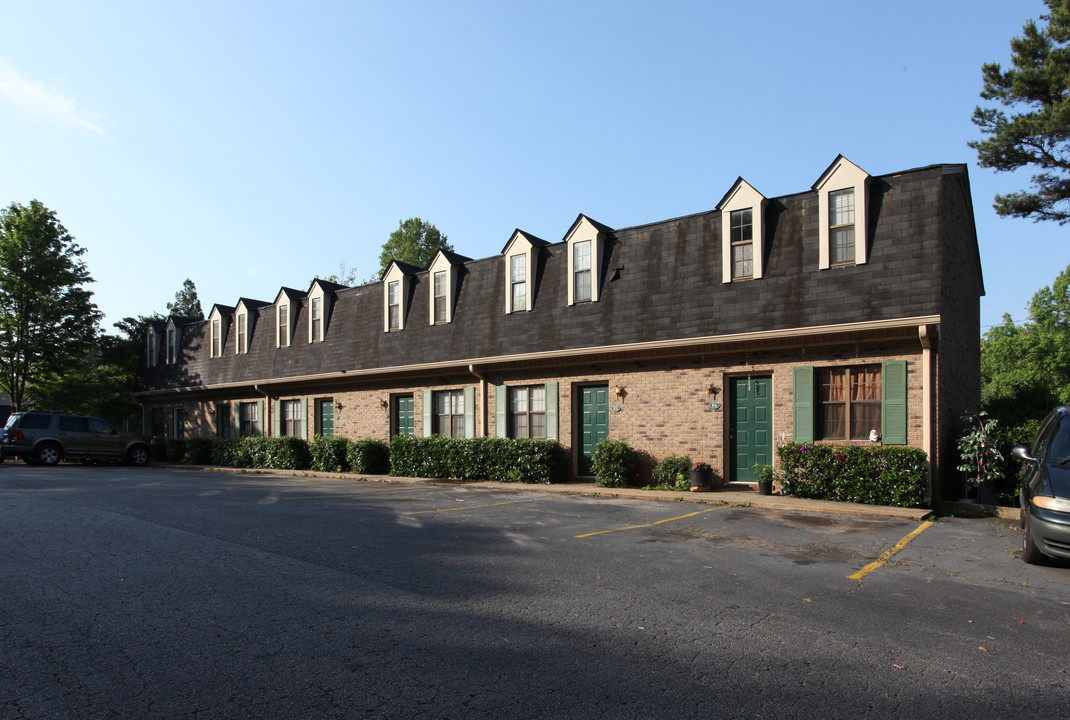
(733, 495)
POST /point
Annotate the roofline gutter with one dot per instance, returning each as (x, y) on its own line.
(469, 364)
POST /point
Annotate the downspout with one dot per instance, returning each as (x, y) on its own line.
(482, 395)
(927, 334)
(267, 410)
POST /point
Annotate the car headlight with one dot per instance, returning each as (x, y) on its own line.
(1051, 503)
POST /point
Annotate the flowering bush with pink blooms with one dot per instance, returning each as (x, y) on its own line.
(872, 475)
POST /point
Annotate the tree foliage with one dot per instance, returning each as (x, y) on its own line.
(345, 276)
(414, 242)
(48, 321)
(1034, 130)
(186, 303)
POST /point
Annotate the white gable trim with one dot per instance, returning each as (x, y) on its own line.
(743, 196)
(842, 174)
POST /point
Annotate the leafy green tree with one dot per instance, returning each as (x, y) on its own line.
(1036, 132)
(186, 303)
(48, 321)
(414, 242)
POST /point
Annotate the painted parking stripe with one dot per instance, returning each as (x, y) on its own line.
(656, 522)
(889, 554)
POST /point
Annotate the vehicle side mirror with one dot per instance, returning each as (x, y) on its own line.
(1022, 452)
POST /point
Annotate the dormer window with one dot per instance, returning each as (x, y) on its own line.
(242, 344)
(444, 275)
(440, 299)
(151, 347)
(842, 198)
(316, 320)
(742, 210)
(217, 338)
(518, 282)
(585, 243)
(282, 313)
(394, 305)
(581, 271)
(172, 345)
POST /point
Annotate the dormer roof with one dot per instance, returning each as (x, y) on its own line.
(520, 235)
(740, 188)
(584, 221)
(405, 268)
(290, 294)
(839, 164)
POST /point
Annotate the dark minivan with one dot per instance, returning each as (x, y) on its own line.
(1046, 489)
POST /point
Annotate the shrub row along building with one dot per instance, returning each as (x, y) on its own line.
(847, 314)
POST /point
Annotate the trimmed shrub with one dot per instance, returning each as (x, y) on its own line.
(368, 456)
(159, 448)
(329, 454)
(200, 450)
(276, 453)
(892, 476)
(613, 463)
(176, 450)
(498, 459)
(673, 473)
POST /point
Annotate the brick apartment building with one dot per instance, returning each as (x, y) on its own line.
(845, 314)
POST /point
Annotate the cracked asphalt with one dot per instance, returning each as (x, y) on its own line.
(161, 593)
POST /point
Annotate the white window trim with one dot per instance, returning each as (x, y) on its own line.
(241, 340)
(215, 337)
(441, 264)
(581, 231)
(395, 274)
(152, 342)
(283, 335)
(520, 245)
(842, 174)
(317, 294)
(174, 340)
(743, 196)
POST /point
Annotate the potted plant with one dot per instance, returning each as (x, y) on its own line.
(701, 474)
(765, 475)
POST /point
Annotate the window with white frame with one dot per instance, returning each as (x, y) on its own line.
(217, 338)
(449, 413)
(741, 232)
(518, 282)
(172, 345)
(283, 313)
(249, 412)
(393, 294)
(241, 334)
(290, 420)
(150, 348)
(316, 319)
(842, 226)
(527, 412)
(441, 297)
(581, 271)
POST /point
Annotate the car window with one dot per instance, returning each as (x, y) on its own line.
(12, 420)
(73, 424)
(1059, 447)
(102, 427)
(35, 421)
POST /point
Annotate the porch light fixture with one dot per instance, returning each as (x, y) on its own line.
(383, 404)
(713, 389)
(619, 390)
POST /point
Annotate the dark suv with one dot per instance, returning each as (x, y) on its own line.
(46, 438)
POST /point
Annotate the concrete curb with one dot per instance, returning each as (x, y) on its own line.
(737, 495)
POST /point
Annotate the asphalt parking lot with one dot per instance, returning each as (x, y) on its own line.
(171, 593)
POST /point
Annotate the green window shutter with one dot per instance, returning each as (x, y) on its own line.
(551, 411)
(302, 426)
(235, 420)
(803, 408)
(894, 402)
(260, 415)
(427, 413)
(501, 410)
(276, 420)
(469, 412)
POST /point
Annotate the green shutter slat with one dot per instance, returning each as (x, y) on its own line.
(427, 413)
(803, 404)
(501, 405)
(302, 426)
(894, 402)
(469, 412)
(551, 411)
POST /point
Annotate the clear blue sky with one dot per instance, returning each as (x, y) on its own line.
(251, 145)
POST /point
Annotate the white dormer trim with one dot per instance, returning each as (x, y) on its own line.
(152, 347)
(842, 175)
(173, 335)
(317, 313)
(396, 277)
(742, 197)
(242, 329)
(217, 329)
(283, 320)
(585, 231)
(520, 245)
(441, 269)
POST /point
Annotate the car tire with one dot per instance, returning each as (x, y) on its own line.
(48, 454)
(1030, 552)
(138, 455)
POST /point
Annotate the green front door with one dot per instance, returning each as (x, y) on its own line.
(403, 415)
(594, 424)
(325, 419)
(751, 433)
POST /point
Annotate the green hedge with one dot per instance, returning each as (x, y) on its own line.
(199, 451)
(614, 463)
(368, 456)
(499, 459)
(328, 454)
(892, 476)
(672, 473)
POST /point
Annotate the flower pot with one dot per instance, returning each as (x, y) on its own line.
(700, 478)
(765, 488)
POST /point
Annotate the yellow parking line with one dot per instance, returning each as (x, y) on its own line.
(656, 522)
(464, 507)
(888, 554)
